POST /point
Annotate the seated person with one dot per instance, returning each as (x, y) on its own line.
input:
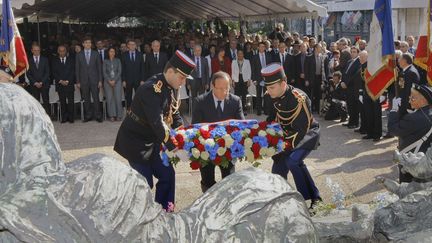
(336, 102)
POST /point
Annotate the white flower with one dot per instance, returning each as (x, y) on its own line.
(195, 153)
(209, 142)
(271, 131)
(280, 133)
(205, 155)
(181, 132)
(205, 127)
(247, 130)
(262, 133)
(255, 126)
(202, 140)
(228, 140)
(249, 155)
(221, 151)
(263, 151)
(248, 143)
(271, 151)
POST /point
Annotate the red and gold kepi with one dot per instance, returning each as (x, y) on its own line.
(182, 63)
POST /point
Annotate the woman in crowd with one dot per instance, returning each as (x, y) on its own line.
(113, 85)
(241, 76)
(210, 57)
(221, 62)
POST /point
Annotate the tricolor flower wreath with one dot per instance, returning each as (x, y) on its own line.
(224, 142)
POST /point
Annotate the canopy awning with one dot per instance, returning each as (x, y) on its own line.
(105, 10)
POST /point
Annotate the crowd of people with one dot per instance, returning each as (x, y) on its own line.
(332, 76)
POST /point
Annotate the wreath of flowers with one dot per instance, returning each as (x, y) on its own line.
(226, 142)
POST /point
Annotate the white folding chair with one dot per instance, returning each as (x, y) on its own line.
(78, 99)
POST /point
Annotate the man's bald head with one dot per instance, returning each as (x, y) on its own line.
(363, 56)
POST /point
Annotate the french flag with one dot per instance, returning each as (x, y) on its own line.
(380, 71)
(11, 44)
(423, 56)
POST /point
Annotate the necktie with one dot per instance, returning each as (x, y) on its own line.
(219, 109)
(101, 54)
(156, 58)
(62, 60)
(283, 58)
(37, 62)
(234, 55)
(133, 56)
(262, 60)
(198, 66)
(87, 57)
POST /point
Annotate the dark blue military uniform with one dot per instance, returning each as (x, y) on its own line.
(154, 110)
(292, 112)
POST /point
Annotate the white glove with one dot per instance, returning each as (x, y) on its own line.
(183, 155)
(361, 98)
(396, 102)
(382, 98)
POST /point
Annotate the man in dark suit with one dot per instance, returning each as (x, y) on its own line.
(351, 81)
(410, 75)
(64, 78)
(231, 51)
(88, 73)
(258, 62)
(101, 50)
(217, 105)
(132, 71)
(39, 77)
(316, 72)
(300, 63)
(345, 54)
(155, 63)
(200, 82)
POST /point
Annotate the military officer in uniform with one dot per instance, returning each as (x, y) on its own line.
(291, 109)
(154, 111)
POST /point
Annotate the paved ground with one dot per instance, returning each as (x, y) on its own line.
(343, 156)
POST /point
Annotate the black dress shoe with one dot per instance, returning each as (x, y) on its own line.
(367, 137)
(388, 136)
(343, 120)
(71, 121)
(87, 119)
(63, 121)
(99, 120)
(346, 124)
(357, 130)
(352, 126)
(376, 139)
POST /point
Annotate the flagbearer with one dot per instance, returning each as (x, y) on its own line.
(154, 110)
(291, 109)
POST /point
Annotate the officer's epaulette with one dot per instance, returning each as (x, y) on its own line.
(158, 86)
(298, 96)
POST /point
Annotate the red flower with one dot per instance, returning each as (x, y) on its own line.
(229, 129)
(275, 141)
(205, 134)
(262, 125)
(242, 141)
(180, 140)
(269, 138)
(195, 165)
(255, 148)
(221, 142)
(218, 160)
(196, 142)
(228, 155)
(200, 147)
(253, 133)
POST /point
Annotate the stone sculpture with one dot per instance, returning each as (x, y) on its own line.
(100, 199)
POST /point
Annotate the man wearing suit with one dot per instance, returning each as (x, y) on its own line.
(217, 105)
(201, 81)
(287, 61)
(155, 63)
(300, 63)
(101, 50)
(258, 62)
(39, 77)
(316, 72)
(345, 54)
(410, 75)
(64, 78)
(351, 81)
(88, 72)
(132, 71)
(231, 52)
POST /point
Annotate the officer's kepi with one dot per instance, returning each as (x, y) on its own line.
(182, 63)
(424, 90)
(272, 74)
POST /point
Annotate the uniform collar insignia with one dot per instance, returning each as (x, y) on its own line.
(158, 86)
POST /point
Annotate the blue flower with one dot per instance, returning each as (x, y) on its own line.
(279, 145)
(191, 134)
(237, 150)
(219, 131)
(212, 150)
(173, 133)
(262, 141)
(237, 136)
(234, 123)
(165, 159)
(188, 146)
(275, 126)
